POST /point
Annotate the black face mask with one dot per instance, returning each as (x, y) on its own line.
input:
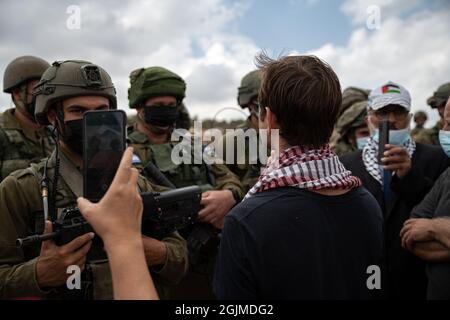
(161, 116)
(73, 135)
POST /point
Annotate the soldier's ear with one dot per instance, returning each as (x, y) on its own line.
(271, 118)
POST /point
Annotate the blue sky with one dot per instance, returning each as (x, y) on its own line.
(295, 24)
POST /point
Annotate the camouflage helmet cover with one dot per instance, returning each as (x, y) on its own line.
(249, 88)
(352, 95)
(353, 117)
(440, 96)
(154, 82)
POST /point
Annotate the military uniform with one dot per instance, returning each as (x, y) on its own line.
(248, 170)
(213, 177)
(352, 118)
(429, 136)
(436, 101)
(158, 82)
(19, 147)
(21, 215)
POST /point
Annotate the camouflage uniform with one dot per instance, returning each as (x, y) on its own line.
(439, 99)
(248, 170)
(352, 118)
(20, 146)
(21, 215)
(155, 82)
(21, 204)
(419, 127)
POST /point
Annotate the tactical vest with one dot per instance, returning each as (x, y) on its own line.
(181, 175)
(18, 152)
(64, 198)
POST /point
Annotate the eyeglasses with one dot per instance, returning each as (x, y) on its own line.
(384, 114)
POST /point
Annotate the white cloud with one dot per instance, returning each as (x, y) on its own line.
(197, 41)
(201, 43)
(412, 51)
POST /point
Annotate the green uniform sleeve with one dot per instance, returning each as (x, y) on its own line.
(226, 179)
(17, 272)
(176, 265)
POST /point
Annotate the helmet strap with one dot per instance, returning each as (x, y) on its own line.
(21, 103)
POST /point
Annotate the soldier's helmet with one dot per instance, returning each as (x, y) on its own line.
(352, 95)
(249, 88)
(23, 69)
(440, 96)
(353, 117)
(420, 114)
(71, 78)
(151, 82)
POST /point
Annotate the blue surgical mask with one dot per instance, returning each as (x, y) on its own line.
(444, 139)
(396, 137)
(361, 142)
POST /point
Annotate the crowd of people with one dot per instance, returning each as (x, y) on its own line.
(308, 224)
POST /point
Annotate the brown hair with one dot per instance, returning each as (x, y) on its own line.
(304, 94)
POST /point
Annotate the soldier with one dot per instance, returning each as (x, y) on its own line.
(420, 117)
(156, 93)
(65, 91)
(351, 132)
(436, 101)
(246, 168)
(22, 140)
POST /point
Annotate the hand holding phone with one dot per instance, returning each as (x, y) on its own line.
(104, 142)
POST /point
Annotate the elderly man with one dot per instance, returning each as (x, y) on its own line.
(410, 176)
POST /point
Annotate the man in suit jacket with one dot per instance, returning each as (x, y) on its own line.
(399, 180)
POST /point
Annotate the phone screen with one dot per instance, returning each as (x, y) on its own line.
(383, 138)
(104, 142)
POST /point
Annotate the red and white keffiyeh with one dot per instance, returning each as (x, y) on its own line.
(305, 168)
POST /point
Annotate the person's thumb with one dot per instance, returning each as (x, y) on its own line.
(83, 205)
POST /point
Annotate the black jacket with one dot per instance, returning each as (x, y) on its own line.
(404, 274)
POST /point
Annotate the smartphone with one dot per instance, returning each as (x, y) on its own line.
(383, 130)
(104, 142)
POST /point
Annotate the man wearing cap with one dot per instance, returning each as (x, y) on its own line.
(436, 101)
(412, 169)
(65, 92)
(351, 132)
(22, 139)
(245, 161)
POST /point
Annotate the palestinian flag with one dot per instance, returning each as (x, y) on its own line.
(390, 88)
